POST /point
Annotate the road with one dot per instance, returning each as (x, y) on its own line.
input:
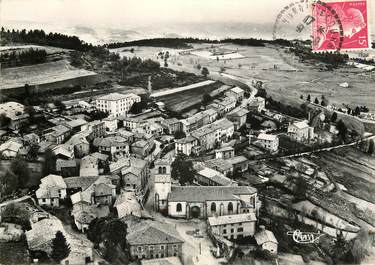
(180, 89)
(319, 150)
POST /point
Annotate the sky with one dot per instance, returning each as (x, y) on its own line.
(135, 12)
(146, 16)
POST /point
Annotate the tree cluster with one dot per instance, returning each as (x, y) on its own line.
(27, 57)
(183, 170)
(332, 59)
(128, 65)
(14, 177)
(39, 37)
(60, 247)
(111, 232)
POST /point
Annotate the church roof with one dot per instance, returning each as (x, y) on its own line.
(208, 193)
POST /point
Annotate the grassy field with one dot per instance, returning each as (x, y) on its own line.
(181, 101)
(40, 74)
(282, 83)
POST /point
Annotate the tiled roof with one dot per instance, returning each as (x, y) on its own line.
(232, 219)
(219, 163)
(268, 137)
(301, 124)
(215, 176)
(236, 160)
(208, 193)
(151, 232)
(239, 112)
(237, 90)
(76, 123)
(117, 96)
(85, 213)
(187, 139)
(110, 141)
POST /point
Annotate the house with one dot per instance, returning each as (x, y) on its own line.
(135, 175)
(300, 131)
(154, 128)
(89, 166)
(213, 134)
(187, 145)
(51, 190)
(151, 239)
(116, 104)
(140, 148)
(219, 108)
(233, 226)
(10, 148)
(224, 152)
(111, 123)
(66, 168)
(80, 144)
(172, 125)
(162, 261)
(239, 163)
(268, 141)
(237, 93)
(57, 134)
(206, 201)
(31, 139)
(128, 204)
(114, 146)
(16, 114)
(229, 103)
(129, 136)
(132, 123)
(266, 240)
(96, 129)
(256, 104)
(84, 213)
(64, 151)
(221, 165)
(75, 125)
(238, 117)
(209, 177)
(39, 239)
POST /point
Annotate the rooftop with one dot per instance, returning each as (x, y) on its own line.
(264, 236)
(117, 96)
(237, 90)
(152, 232)
(267, 137)
(236, 160)
(208, 193)
(232, 219)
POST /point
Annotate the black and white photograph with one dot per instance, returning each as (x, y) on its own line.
(187, 132)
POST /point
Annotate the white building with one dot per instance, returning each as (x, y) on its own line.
(51, 190)
(116, 104)
(233, 226)
(186, 145)
(268, 141)
(266, 240)
(300, 131)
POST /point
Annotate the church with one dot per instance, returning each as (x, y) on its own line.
(200, 201)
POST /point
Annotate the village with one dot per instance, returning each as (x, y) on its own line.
(224, 178)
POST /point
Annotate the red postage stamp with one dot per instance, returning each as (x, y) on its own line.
(340, 25)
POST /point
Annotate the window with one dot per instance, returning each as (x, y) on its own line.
(179, 207)
(232, 230)
(224, 231)
(230, 207)
(151, 247)
(139, 248)
(162, 247)
(175, 246)
(240, 229)
(213, 207)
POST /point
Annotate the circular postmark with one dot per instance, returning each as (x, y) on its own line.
(307, 22)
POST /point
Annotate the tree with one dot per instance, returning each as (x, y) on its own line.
(138, 107)
(340, 248)
(301, 188)
(33, 151)
(237, 174)
(20, 169)
(301, 97)
(4, 120)
(16, 213)
(342, 130)
(199, 67)
(179, 135)
(205, 72)
(183, 170)
(308, 98)
(206, 98)
(360, 247)
(371, 147)
(9, 183)
(334, 117)
(49, 163)
(316, 101)
(60, 248)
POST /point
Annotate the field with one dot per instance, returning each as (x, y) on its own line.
(283, 81)
(183, 100)
(41, 74)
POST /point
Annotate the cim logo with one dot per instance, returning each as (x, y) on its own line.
(305, 237)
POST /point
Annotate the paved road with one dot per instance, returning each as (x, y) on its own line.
(23, 198)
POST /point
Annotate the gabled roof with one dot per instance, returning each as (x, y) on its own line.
(301, 124)
(232, 219)
(237, 159)
(208, 193)
(264, 236)
(151, 232)
(268, 137)
(117, 96)
(237, 90)
(239, 112)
